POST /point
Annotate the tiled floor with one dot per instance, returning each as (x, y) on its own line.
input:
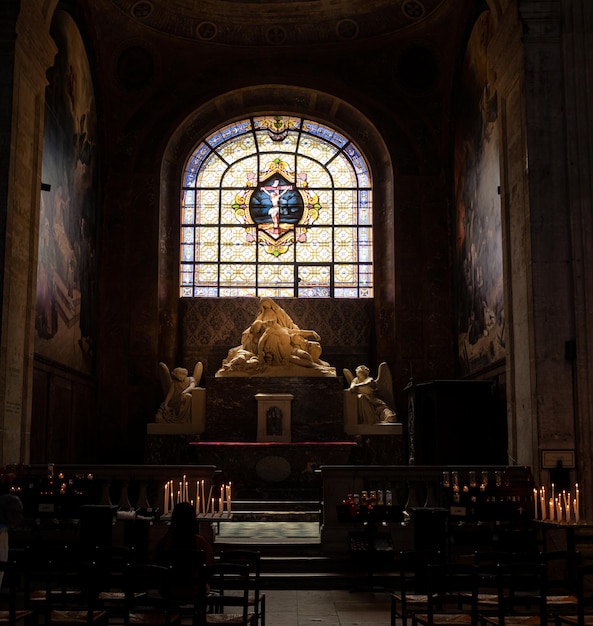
(309, 607)
(327, 608)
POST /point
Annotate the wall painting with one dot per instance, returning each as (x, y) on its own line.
(66, 271)
(478, 246)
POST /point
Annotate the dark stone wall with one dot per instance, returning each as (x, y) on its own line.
(316, 410)
(209, 327)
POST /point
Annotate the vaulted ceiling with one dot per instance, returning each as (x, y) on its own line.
(287, 22)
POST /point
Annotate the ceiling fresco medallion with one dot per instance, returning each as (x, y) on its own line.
(279, 23)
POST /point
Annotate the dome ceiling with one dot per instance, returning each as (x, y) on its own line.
(273, 22)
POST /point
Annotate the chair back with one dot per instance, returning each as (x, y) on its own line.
(522, 590)
(584, 592)
(13, 573)
(231, 582)
(413, 569)
(562, 570)
(249, 558)
(452, 588)
(148, 591)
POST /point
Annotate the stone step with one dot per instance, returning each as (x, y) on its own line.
(276, 505)
(323, 572)
(276, 516)
(276, 510)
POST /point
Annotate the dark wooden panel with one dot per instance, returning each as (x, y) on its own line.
(458, 422)
(39, 417)
(59, 435)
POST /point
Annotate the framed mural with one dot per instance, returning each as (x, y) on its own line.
(478, 246)
(67, 258)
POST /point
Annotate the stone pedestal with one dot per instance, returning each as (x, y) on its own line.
(273, 416)
(194, 427)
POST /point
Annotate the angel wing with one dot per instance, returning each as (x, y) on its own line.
(385, 385)
(165, 378)
(198, 371)
(348, 375)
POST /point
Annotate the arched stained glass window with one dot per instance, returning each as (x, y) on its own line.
(276, 206)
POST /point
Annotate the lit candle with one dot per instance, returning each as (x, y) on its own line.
(542, 501)
(559, 510)
(534, 503)
(213, 509)
(166, 499)
(576, 511)
(566, 497)
(551, 507)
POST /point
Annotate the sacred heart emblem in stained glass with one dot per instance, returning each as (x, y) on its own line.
(277, 207)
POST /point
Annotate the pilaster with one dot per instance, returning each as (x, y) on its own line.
(22, 108)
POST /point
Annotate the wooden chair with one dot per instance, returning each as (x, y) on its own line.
(522, 595)
(148, 598)
(70, 597)
(230, 602)
(411, 595)
(13, 600)
(43, 560)
(583, 614)
(561, 577)
(251, 558)
(562, 571)
(487, 562)
(111, 589)
(452, 596)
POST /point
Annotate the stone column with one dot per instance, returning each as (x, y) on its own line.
(528, 62)
(505, 56)
(577, 45)
(27, 51)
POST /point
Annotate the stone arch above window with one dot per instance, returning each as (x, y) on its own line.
(273, 99)
(276, 205)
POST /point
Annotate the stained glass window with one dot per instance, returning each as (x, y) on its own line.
(276, 206)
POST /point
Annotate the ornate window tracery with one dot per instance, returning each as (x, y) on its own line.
(276, 206)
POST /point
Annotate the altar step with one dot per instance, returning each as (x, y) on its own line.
(291, 562)
(276, 511)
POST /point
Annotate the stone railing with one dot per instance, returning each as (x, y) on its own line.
(60, 489)
(390, 496)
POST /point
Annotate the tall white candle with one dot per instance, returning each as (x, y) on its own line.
(166, 500)
(578, 504)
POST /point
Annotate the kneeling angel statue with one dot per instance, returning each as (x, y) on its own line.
(376, 404)
(177, 388)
